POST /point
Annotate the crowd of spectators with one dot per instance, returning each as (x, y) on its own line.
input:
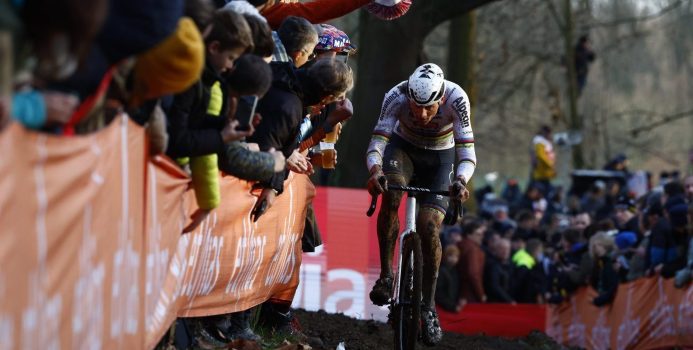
(539, 246)
(241, 88)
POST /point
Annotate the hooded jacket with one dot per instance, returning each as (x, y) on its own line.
(282, 110)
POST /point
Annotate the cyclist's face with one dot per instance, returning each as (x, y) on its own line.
(423, 114)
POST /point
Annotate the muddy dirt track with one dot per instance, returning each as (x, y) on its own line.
(326, 331)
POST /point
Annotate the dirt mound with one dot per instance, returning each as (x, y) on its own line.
(326, 331)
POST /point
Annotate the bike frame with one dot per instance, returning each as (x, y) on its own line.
(410, 228)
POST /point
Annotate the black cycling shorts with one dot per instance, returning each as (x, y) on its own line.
(433, 169)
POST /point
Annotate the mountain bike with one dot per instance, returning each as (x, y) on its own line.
(405, 301)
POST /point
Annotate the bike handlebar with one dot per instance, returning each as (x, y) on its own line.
(417, 190)
(409, 189)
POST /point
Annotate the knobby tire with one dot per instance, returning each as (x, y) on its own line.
(408, 311)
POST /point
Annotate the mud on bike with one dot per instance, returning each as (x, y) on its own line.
(405, 301)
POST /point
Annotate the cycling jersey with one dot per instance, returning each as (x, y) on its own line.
(450, 127)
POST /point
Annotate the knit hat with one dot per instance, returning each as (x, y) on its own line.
(172, 66)
(389, 9)
(333, 39)
(625, 239)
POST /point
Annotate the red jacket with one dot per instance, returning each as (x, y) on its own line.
(471, 267)
(315, 11)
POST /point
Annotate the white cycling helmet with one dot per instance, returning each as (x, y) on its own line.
(426, 85)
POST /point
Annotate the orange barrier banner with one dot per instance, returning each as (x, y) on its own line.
(91, 249)
(229, 263)
(646, 314)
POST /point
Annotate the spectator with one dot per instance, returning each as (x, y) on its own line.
(511, 193)
(471, 265)
(554, 205)
(251, 77)
(580, 221)
(583, 58)
(448, 285)
(577, 263)
(262, 36)
(192, 132)
(451, 235)
(661, 247)
(529, 279)
(594, 199)
(526, 202)
(626, 219)
(618, 163)
(299, 38)
(604, 276)
(526, 225)
(291, 93)
(198, 127)
(683, 276)
(292, 90)
(498, 273)
(543, 159)
(677, 214)
(673, 189)
(688, 184)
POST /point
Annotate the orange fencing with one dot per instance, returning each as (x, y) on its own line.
(91, 250)
(646, 314)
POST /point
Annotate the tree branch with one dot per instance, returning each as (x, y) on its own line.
(664, 120)
(439, 11)
(627, 20)
(556, 16)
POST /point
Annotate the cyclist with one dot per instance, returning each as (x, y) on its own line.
(424, 125)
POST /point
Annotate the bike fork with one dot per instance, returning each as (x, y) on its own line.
(410, 228)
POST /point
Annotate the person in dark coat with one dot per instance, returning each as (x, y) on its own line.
(471, 265)
(604, 277)
(192, 131)
(498, 273)
(626, 217)
(529, 279)
(661, 248)
(448, 285)
(283, 107)
(583, 58)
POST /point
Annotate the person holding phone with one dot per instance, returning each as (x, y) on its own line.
(247, 84)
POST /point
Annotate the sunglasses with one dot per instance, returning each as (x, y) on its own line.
(310, 56)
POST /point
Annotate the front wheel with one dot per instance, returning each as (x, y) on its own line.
(407, 310)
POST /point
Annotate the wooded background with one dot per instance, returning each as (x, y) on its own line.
(514, 59)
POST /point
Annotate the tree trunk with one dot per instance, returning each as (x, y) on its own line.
(462, 54)
(575, 120)
(388, 53)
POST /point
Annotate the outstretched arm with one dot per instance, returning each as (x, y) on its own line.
(315, 11)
